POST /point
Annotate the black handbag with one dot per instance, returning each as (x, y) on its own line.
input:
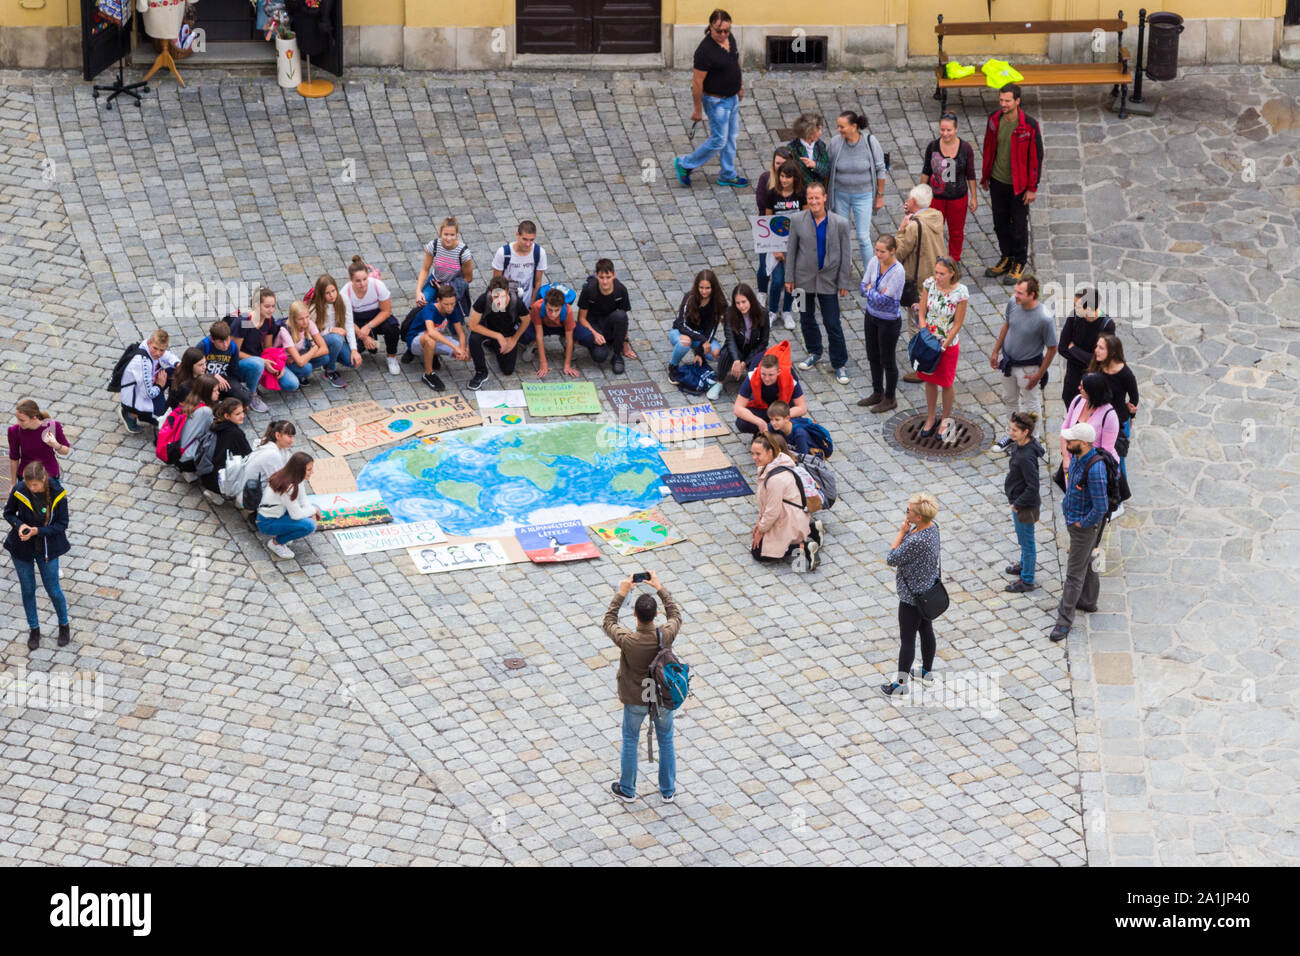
(933, 601)
(911, 294)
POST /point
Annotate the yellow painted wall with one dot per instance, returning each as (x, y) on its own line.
(52, 13)
(475, 13)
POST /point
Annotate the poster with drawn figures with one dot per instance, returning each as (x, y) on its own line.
(558, 541)
(355, 510)
(771, 233)
(460, 556)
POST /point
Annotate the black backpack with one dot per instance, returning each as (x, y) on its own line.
(405, 328)
(1113, 495)
(129, 353)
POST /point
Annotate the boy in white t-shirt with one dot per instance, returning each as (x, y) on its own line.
(523, 263)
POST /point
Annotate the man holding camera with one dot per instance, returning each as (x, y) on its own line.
(637, 649)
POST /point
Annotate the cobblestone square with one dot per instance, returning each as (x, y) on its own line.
(343, 710)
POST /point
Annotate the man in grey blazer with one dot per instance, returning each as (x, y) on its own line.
(818, 260)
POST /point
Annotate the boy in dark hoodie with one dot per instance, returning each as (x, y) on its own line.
(1021, 487)
(228, 430)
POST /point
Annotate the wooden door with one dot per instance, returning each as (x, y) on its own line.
(579, 27)
(227, 21)
(923, 15)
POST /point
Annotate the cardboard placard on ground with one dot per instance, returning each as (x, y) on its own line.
(466, 554)
(635, 396)
(504, 416)
(547, 399)
(510, 398)
(441, 414)
(331, 475)
(371, 435)
(338, 417)
(640, 531)
(389, 537)
(355, 510)
(689, 421)
(679, 461)
(700, 485)
(558, 541)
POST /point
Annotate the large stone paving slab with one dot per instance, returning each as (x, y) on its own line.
(786, 754)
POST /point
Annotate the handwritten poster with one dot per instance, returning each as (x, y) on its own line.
(355, 510)
(547, 399)
(699, 485)
(635, 396)
(689, 421)
(771, 233)
(441, 414)
(330, 475)
(349, 441)
(338, 417)
(389, 537)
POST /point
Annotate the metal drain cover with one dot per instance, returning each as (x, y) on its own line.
(903, 432)
(514, 663)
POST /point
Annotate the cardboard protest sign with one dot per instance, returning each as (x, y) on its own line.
(558, 541)
(510, 398)
(680, 424)
(371, 435)
(441, 414)
(504, 416)
(466, 554)
(699, 485)
(338, 417)
(638, 532)
(355, 510)
(561, 398)
(635, 396)
(703, 458)
(389, 537)
(330, 475)
(770, 233)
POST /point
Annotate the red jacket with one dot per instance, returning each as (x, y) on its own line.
(784, 380)
(1026, 152)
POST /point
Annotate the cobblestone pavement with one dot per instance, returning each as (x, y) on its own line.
(363, 713)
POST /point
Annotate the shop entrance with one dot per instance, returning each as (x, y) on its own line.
(587, 26)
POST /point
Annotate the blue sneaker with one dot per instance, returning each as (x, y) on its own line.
(683, 174)
(128, 419)
(737, 180)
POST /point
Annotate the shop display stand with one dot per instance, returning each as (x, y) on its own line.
(166, 59)
(314, 89)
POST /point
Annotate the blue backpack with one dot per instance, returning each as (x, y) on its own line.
(924, 351)
(696, 379)
(672, 678)
(819, 439)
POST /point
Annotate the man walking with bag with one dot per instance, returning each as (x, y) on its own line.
(637, 649)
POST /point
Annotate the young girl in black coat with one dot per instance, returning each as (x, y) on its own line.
(37, 512)
(228, 427)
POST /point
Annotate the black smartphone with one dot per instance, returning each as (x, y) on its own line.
(640, 576)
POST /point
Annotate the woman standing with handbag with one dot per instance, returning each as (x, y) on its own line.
(914, 556)
(943, 311)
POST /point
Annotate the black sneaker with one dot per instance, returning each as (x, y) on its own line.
(618, 368)
(674, 374)
(65, 634)
(335, 379)
(33, 638)
(437, 363)
(128, 420)
(408, 358)
(1012, 569)
(617, 791)
(1059, 633)
(1019, 587)
(477, 381)
(433, 381)
(890, 689)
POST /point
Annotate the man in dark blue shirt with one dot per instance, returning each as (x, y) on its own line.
(1085, 507)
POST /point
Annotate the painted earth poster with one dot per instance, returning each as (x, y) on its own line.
(642, 531)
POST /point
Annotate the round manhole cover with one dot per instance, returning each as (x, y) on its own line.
(964, 436)
(514, 663)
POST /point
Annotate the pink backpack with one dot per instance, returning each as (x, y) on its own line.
(169, 448)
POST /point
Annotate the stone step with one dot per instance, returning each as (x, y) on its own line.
(1289, 56)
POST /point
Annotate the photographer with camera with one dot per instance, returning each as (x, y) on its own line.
(637, 649)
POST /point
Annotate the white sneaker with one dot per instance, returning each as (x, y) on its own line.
(788, 319)
(214, 497)
(190, 477)
(257, 405)
(1118, 511)
(277, 549)
(716, 390)
(762, 299)
(394, 368)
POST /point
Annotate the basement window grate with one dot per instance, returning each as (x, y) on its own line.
(796, 53)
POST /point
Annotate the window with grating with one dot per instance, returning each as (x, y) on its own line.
(796, 53)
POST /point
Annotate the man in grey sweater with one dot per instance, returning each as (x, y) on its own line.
(819, 262)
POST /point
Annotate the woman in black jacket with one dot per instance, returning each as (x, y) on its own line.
(37, 512)
(1021, 487)
(745, 331)
(228, 427)
(696, 322)
(1079, 337)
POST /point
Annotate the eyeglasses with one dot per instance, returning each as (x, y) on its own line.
(721, 31)
(948, 116)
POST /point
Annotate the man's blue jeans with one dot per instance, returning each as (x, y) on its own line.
(633, 717)
(723, 114)
(812, 334)
(859, 204)
(50, 578)
(1028, 549)
(286, 529)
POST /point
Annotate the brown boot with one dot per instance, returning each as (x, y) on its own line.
(885, 405)
(912, 377)
(870, 399)
(1003, 265)
(1016, 273)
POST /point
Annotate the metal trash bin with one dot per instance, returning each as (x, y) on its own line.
(1162, 47)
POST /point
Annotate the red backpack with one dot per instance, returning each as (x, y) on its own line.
(169, 448)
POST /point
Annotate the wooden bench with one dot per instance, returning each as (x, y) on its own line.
(1116, 75)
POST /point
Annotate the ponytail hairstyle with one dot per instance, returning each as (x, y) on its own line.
(1096, 390)
(225, 408)
(200, 393)
(320, 306)
(1026, 420)
(358, 265)
(278, 427)
(185, 372)
(35, 471)
(772, 441)
(30, 409)
(451, 222)
(291, 476)
(857, 119)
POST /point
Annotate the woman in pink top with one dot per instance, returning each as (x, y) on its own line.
(1092, 406)
(35, 437)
